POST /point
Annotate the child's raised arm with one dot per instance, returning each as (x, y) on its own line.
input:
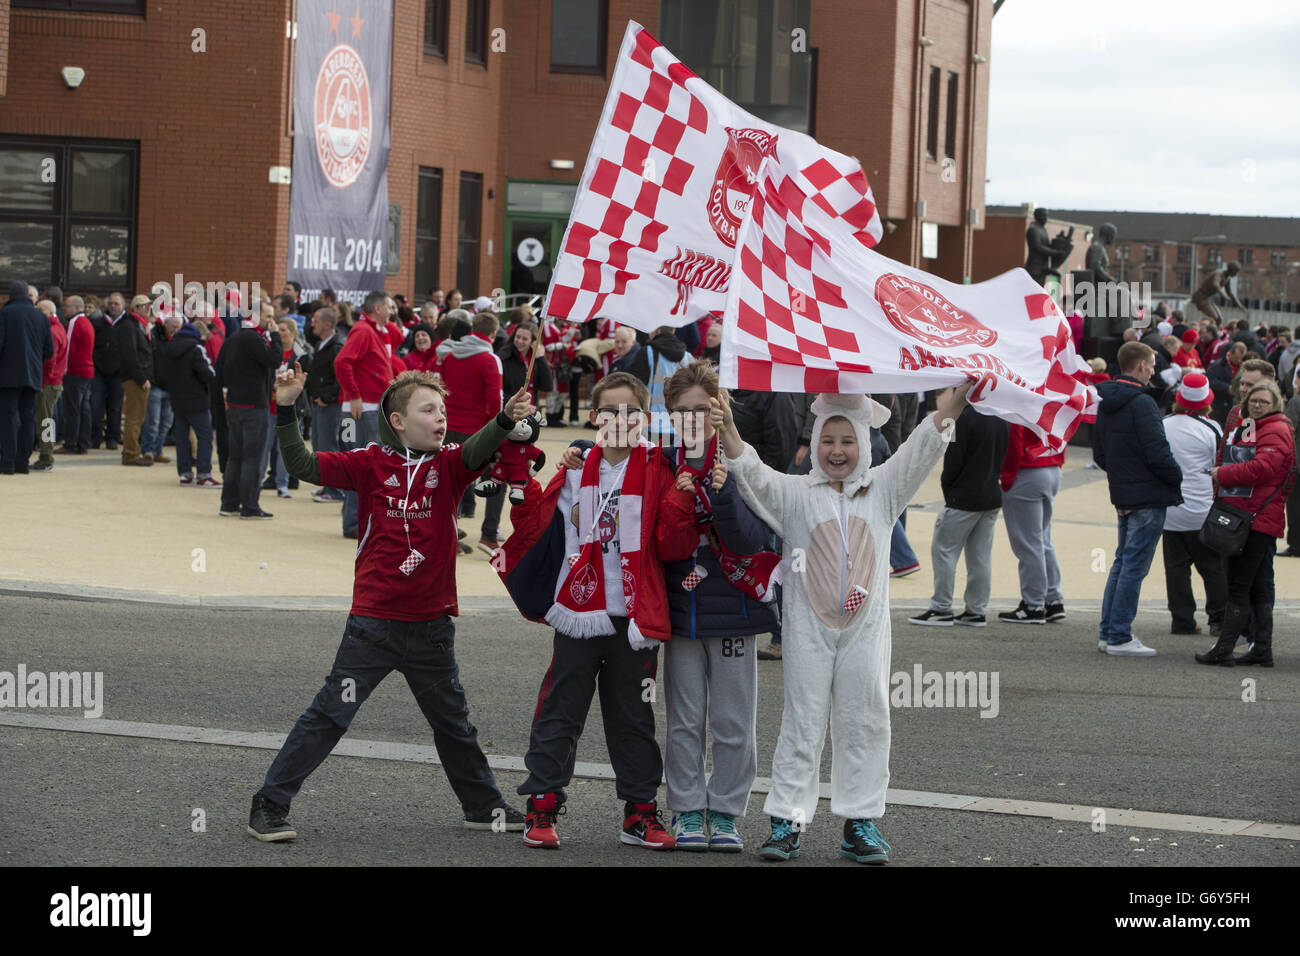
(902, 476)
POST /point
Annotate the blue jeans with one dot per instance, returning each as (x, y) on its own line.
(424, 653)
(1139, 533)
(325, 431)
(901, 554)
(76, 411)
(271, 457)
(202, 425)
(363, 433)
(158, 420)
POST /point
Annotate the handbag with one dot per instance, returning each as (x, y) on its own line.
(1227, 527)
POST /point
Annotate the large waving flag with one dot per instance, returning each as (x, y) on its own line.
(811, 309)
(667, 182)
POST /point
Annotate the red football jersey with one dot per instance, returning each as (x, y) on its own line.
(399, 499)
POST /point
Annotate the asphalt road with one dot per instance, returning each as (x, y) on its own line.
(1072, 726)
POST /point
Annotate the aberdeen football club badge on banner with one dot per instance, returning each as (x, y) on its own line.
(338, 207)
(669, 178)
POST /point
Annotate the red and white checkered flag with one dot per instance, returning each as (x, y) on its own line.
(811, 309)
(668, 179)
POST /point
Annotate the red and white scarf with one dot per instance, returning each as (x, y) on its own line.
(579, 609)
(754, 574)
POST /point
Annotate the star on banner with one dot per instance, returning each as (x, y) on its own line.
(356, 22)
(334, 19)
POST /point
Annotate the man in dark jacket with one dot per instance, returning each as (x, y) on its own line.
(135, 357)
(765, 421)
(323, 391)
(1129, 443)
(1221, 373)
(185, 373)
(972, 497)
(248, 361)
(106, 393)
(25, 346)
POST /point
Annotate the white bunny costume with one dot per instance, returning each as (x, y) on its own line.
(836, 661)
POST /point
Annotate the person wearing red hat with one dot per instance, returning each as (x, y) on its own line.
(1194, 440)
(1187, 356)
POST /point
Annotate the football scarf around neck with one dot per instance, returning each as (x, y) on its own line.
(579, 609)
(754, 574)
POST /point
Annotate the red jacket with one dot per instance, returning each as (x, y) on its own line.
(1188, 357)
(1024, 450)
(536, 547)
(363, 366)
(55, 367)
(1272, 466)
(81, 347)
(396, 334)
(213, 345)
(426, 361)
(474, 380)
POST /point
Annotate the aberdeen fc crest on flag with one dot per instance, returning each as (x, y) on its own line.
(669, 178)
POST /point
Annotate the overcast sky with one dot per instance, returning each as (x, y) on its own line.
(1159, 105)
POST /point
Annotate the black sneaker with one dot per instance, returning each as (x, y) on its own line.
(229, 512)
(41, 466)
(863, 843)
(1024, 614)
(501, 819)
(293, 484)
(783, 844)
(932, 618)
(1055, 612)
(267, 822)
(268, 485)
(968, 619)
(254, 513)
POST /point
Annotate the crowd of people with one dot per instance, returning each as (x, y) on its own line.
(668, 525)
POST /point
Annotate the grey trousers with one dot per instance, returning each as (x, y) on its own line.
(956, 531)
(1027, 511)
(713, 680)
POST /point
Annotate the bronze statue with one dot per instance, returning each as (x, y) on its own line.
(1044, 255)
(1212, 285)
(1096, 258)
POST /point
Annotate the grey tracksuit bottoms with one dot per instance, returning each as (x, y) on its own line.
(711, 686)
(1027, 511)
(954, 531)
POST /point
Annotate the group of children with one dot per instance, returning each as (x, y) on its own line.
(629, 546)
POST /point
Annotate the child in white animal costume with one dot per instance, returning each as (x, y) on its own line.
(836, 612)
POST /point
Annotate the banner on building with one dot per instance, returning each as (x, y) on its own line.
(667, 181)
(338, 206)
(811, 309)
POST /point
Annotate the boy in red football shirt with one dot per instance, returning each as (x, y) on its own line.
(404, 595)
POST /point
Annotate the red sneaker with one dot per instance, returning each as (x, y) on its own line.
(643, 825)
(539, 824)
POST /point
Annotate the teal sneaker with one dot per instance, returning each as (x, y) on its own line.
(688, 829)
(862, 842)
(722, 833)
(783, 844)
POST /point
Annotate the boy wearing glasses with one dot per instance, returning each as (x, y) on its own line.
(587, 557)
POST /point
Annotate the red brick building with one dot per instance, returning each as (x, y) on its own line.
(167, 155)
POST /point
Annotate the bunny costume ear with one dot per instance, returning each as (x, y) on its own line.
(856, 408)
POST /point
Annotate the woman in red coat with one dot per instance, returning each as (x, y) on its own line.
(1256, 462)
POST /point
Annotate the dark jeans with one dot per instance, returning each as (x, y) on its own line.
(242, 479)
(202, 425)
(1250, 574)
(362, 433)
(625, 679)
(220, 428)
(105, 403)
(1293, 521)
(17, 425)
(76, 412)
(423, 652)
(1182, 550)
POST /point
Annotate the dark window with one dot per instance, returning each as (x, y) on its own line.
(932, 123)
(86, 6)
(1213, 256)
(1151, 253)
(470, 212)
(435, 28)
(1277, 258)
(1245, 256)
(950, 127)
(1184, 279)
(578, 29)
(1184, 253)
(476, 31)
(755, 52)
(1121, 253)
(428, 230)
(67, 213)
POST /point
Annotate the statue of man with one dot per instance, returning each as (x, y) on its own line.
(1096, 258)
(1039, 262)
(1213, 284)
